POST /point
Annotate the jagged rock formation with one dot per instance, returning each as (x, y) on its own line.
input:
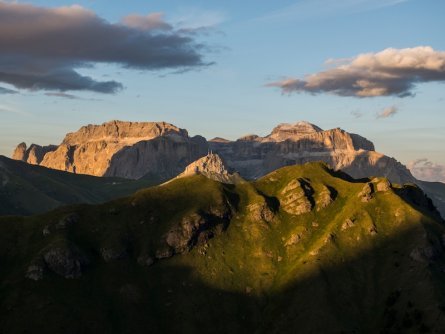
(302, 142)
(32, 155)
(124, 149)
(213, 167)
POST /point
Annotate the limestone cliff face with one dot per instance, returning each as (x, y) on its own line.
(123, 149)
(288, 144)
(164, 157)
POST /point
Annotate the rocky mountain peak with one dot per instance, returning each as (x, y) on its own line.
(33, 154)
(211, 163)
(19, 152)
(211, 166)
(285, 131)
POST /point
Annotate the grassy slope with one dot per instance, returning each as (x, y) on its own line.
(28, 189)
(359, 279)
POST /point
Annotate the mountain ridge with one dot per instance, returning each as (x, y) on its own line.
(134, 149)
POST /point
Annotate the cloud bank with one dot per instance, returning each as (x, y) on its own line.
(43, 48)
(388, 112)
(391, 72)
(425, 170)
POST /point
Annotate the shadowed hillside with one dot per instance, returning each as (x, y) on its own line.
(28, 189)
(436, 191)
(300, 250)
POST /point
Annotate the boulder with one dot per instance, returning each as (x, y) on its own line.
(66, 261)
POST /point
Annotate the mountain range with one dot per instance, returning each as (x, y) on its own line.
(161, 151)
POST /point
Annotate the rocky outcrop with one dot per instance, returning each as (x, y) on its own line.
(123, 149)
(64, 260)
(296, 197)
(211, 166)
(19, 152)
(195, 229)
(32, 155)
(325, 197)
(367, 192)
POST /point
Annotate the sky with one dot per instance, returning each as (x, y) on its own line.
(226, 69)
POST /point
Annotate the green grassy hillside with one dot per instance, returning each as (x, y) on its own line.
(302, 250)
(28, 189)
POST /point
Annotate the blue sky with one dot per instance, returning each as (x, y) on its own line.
(253, 43)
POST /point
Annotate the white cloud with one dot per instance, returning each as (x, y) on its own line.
(389, 72)
(424, 169)
(388, 112)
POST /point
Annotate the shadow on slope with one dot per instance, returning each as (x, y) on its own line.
(161, 157)
(382, 290)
